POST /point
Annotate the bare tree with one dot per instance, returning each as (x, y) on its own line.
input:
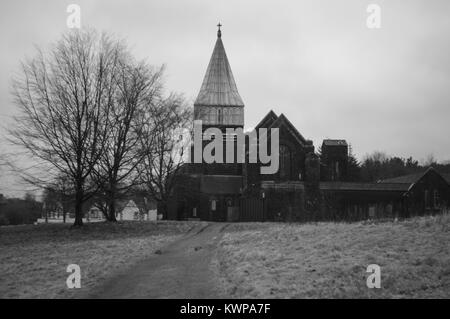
(165, 145)
(62, 95)
(429, 161)
(138, 86)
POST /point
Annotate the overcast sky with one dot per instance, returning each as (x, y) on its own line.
(384, 89)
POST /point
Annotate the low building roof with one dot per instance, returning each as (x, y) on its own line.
(351, 186)
(412, 179)
(446, 176)
(405, 179)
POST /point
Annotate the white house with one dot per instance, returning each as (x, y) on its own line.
(129, 212)
(151, 215)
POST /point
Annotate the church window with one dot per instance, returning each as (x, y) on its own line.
(211, 116)
(426, 199)
(335, 171)
(285, 162)
(436, 199)
(219, 116)
(213, 204)
(226, 117)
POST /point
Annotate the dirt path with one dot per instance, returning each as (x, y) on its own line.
(182, 270)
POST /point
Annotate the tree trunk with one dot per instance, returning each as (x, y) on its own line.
(79, 205)
(162, 209)
(112, 209)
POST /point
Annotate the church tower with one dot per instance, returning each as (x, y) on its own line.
(218, 103)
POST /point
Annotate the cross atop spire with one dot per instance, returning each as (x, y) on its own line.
(219, 33)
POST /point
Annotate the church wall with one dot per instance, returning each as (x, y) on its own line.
(285, 205)
(330, 156)
(352, 206)
(295, 171)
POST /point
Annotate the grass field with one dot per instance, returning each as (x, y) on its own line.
(252, 260)
(33, 259)
(329, 260)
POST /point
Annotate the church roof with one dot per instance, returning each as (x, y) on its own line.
(283, 120)
(267, 120)
(218, 87)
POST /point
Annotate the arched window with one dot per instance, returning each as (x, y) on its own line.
(285, 162)
(226, 116)
(211, 116)
(335, 175)
(219, 116)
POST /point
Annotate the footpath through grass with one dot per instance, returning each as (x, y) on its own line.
(34, 258)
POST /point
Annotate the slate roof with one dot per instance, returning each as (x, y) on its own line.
(267, 120)
(282, 119)
(411, 179)
(400, 184)
(414, 178)
(218, 87)
(272, 121)
(405, 179)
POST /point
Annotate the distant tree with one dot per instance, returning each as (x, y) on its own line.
(429, 161)
(16, 211)
(378, 166)
(29, 197)
(319, 151)
(411, 164)
(372, 166)
(60, 194)
(353, 167)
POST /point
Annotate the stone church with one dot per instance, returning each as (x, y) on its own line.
(303, 189)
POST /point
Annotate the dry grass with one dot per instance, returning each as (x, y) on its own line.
(33, 259)
(329, 260)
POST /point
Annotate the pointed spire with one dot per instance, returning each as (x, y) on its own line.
(218, 87)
